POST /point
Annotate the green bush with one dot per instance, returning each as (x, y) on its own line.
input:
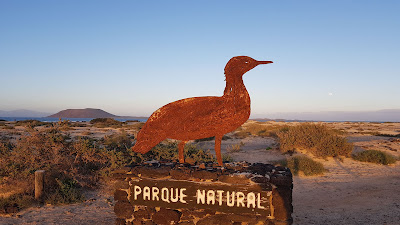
(375, 156)
(305, 165)
(66, 191)
(315, 138)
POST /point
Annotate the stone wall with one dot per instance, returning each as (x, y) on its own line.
(276, 181)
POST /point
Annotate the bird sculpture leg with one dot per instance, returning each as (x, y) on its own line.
(218, 140)
(181, 146)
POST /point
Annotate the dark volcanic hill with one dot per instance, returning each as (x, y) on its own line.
(83, 113)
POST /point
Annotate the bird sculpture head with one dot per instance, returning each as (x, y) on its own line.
(239, 65)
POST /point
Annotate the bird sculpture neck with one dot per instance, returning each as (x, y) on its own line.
(235, 89)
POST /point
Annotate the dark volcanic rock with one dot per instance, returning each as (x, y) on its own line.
(142, 214)
(120, 195)
(166, 216)
(123, 210)
(221, 219)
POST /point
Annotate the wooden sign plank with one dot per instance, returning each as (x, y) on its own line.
(222, 197)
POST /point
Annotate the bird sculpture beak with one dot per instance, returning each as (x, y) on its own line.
(264, 62)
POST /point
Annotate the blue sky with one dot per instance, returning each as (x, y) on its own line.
(132, 57)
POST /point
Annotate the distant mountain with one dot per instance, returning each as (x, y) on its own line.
(22, 113)
(83, 113)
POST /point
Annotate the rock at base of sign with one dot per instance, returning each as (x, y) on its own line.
(221, 219)
(143, 214)
(120, 221)
(123, 210)
(281, 198)
(187, 223)
(166, 216)
(120, 195)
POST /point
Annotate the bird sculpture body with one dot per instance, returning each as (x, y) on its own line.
(202, 117)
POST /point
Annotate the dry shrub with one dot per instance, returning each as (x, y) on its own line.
(374, 156)
(65, 164)
(63, 125)
(135, 126)
(258, 129)
(318, 139)
(241, 133)
(119, 141)
(6, 127)
(226, 158)
(37, 150)
(304, 165)
(73, 164)
(86, 133)
(225, 137)
(16, 202)
(168, 151)
(263, 130)
(5, 151)
(106, 122)
(31, 123)
(235, 147)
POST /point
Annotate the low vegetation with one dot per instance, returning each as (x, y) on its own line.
(168, 151)
(225, 137)
(318, 139)
(374, 156)
(235, 147)
(303, 165)
(135, 126)
(257, 129)
(16, 202)
(72, 164)
(31, 123)
(6, 127)
(106, 122)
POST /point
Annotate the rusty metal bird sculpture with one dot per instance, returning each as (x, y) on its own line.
(202, 117)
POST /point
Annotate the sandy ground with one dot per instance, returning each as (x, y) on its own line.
(350, 193)
(98, 209)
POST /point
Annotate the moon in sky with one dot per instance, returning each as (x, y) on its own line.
(330, 93)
